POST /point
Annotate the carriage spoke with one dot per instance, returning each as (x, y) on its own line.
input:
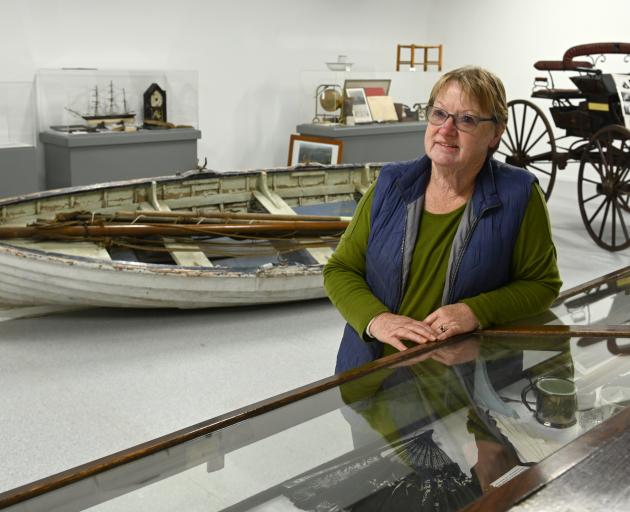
(596, 165)
(603, 224)
(613, 231)
(531, 128)
(510, 145)
(535, 142)
(591, 181)
(516, 134)
(523, 124)
(590, 198)
(590, 220)
(598, 168)
(606, 166)
(610, 155)
(600, 152)
(548, 173)
(622, 221)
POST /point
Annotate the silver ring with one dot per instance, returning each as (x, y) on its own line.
(442, 328)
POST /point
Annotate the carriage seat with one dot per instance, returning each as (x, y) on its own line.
(568, 64)
(562, 65)
(557, 94)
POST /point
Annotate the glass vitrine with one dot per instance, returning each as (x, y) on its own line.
(17, 115)
(432, 428)
(18, 155)
(80, 98)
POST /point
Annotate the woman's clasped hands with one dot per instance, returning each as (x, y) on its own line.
(443, 323)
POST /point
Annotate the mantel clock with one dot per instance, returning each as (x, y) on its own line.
(154, 100)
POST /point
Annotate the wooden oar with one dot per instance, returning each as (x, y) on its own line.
(194, 217)
(98, 220)
(253, 230)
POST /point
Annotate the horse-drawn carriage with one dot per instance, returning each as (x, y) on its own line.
(596, 118)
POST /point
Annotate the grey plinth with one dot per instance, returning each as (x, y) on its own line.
(84, 159)
(18, 171)
(373, 142)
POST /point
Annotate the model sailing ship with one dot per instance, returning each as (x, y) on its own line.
(106, 111)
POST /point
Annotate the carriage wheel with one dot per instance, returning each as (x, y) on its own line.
(604, 188)
(528, 142)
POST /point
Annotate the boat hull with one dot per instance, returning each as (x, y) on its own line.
(31, 276)
(34, 278)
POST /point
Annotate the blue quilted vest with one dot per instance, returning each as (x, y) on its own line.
(481, 253)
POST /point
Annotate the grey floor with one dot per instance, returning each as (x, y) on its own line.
(77, 386)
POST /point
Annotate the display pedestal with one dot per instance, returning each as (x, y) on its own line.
(373, 142)
(18, 171)
(84, 159)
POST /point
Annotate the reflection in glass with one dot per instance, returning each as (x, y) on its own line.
(606, 304)
(433, 432)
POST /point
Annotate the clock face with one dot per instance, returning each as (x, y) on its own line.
(156, 99)
(154, 103)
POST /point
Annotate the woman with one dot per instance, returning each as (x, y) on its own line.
(447, 243)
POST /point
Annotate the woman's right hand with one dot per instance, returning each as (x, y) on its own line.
(392, 329)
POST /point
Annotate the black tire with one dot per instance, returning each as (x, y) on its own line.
(528, 142)
(604, 188)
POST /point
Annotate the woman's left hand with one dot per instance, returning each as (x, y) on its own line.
(452, 320)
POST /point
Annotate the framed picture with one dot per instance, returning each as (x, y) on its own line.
(382, 109)
(360, 107)
(374, 87)
(304, 149)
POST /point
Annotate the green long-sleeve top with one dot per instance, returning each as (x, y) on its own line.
(535, 280)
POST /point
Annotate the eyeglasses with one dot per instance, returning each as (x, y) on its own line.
(463, 122)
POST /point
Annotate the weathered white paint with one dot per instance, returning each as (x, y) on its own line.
(34, 274)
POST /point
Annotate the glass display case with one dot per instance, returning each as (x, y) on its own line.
(406, 88)
(18, 159)
(76, 96)
(437, 427)
(110, 125)
(17, 115)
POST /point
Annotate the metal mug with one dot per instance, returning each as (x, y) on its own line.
(556, 401)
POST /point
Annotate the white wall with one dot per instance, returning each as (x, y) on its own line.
(250, 55)
(257, 60)
(508, 36)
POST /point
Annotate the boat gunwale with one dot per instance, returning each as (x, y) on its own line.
(193, 174)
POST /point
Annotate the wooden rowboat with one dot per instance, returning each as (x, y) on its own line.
(210, 239)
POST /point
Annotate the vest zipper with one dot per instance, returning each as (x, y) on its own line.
(460, 255)
(402, 267)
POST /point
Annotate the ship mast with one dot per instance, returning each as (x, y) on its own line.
(111, 96)
(95, 102)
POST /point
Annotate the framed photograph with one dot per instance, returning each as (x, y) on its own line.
(360, 107)
(304, 149)
(374, 87)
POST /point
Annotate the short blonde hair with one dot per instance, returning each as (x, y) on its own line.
(480, 85)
